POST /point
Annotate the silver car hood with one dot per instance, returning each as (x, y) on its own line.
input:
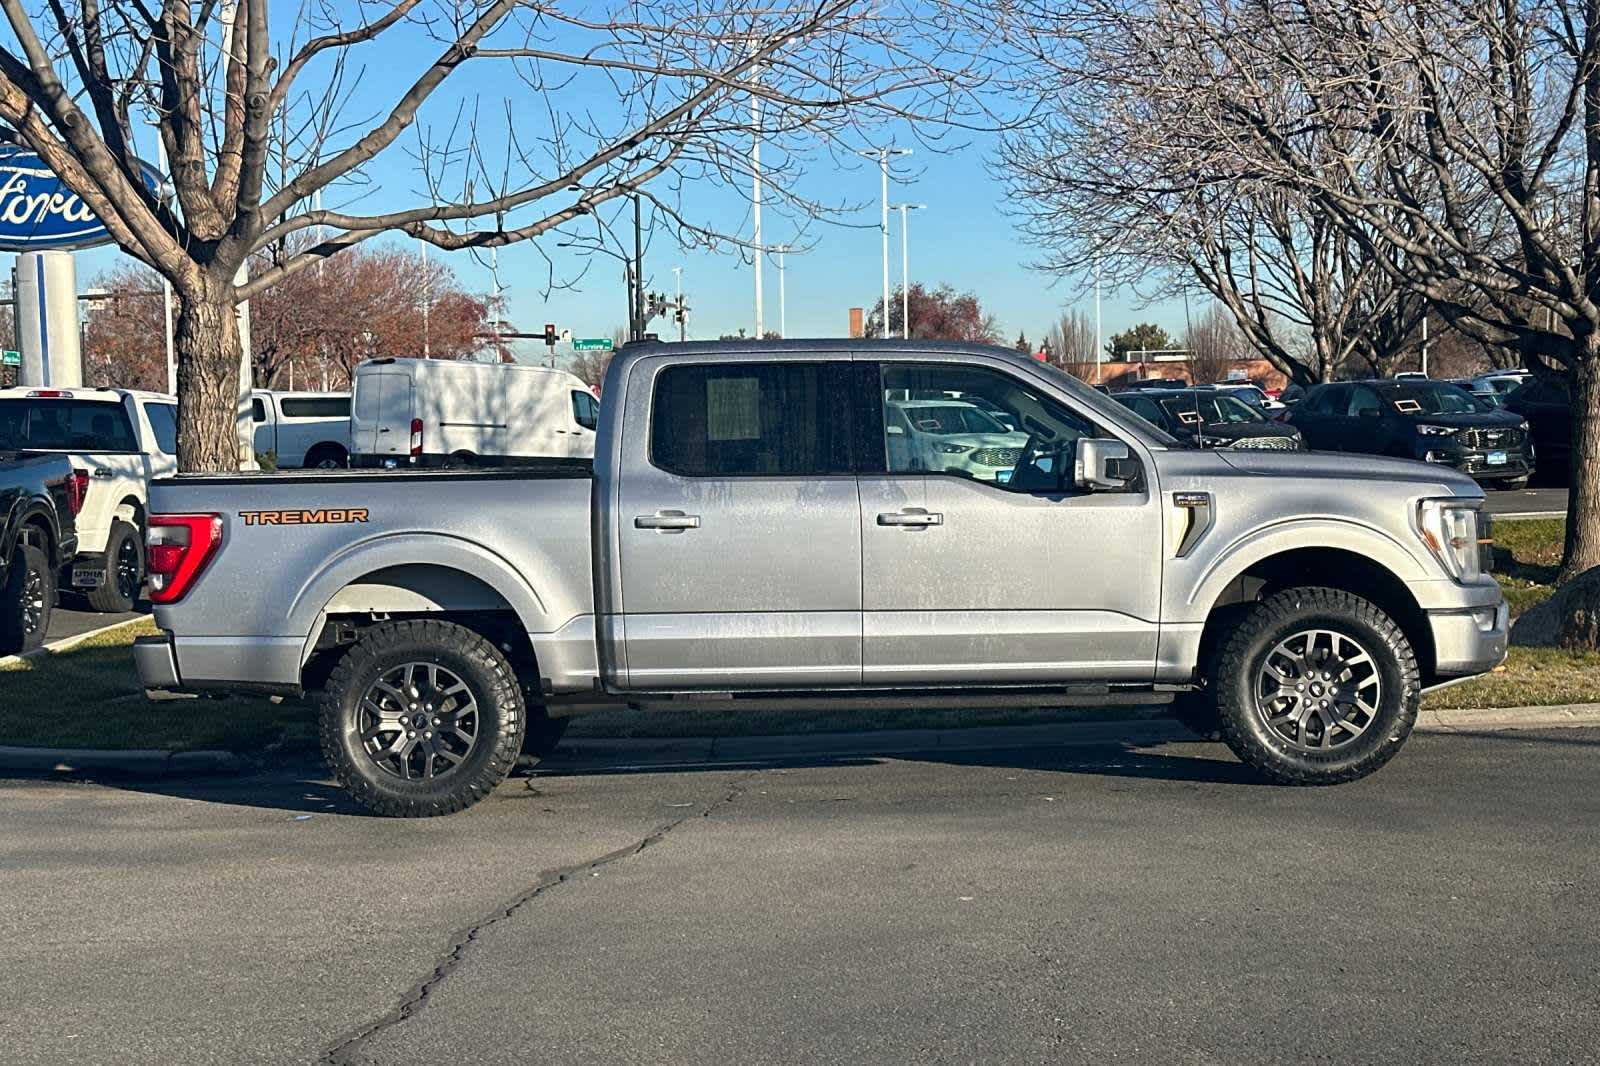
(1335, 465)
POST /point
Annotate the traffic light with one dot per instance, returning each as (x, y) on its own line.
(550, 334)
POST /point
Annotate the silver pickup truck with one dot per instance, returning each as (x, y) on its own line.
(912, 524)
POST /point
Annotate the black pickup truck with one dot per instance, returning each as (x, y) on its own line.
(39, 498)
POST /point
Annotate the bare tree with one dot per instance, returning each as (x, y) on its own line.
(1214, 344)
(255, 125)
(1456, 142)
(1071, 339)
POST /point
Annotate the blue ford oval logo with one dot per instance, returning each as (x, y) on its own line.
(38, 212)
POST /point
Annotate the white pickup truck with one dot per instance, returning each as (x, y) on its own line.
(302, 429)
(121, 439)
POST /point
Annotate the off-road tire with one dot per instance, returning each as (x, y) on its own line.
(470, 657)
(1240, 657)
(16, 636)
(543, 733)
(109, 598)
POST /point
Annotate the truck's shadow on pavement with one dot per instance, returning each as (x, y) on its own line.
(304, 787)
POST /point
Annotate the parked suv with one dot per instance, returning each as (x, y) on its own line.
(954, 436)
(1433, 421)
(39, 495)
(1547, 407)
(1210, 418)
(121, 439)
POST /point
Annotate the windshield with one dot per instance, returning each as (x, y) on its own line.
(1438, 398)
(953, 418)
(47, 424)
(1194, 408)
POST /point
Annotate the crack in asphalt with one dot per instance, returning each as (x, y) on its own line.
(416, 1000)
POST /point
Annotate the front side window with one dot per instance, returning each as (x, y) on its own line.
(751, 420)
(585, 410)
(1363, 400)
(976, 423)
(65, 425)
(164, 424)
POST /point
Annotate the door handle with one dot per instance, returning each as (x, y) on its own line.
(104, 474)
(914, 519)
(667, 521)
(385, 429)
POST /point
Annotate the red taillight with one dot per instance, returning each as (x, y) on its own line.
(181, 545)
(77, 491)
(416, 437)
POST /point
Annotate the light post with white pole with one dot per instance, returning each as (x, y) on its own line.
(882, 155)
(1097, 318)
(783, 301)
(905, 272)
(677, 276)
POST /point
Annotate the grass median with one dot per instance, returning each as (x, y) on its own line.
(89, 696)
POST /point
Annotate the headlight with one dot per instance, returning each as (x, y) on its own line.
(1457, 532)
(1436, 431)
(953, 449)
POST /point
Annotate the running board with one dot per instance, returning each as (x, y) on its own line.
(899, 699)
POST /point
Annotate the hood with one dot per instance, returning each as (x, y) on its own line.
(1344, 465)
(1244, 430)
(1487, 420)
(985, 440)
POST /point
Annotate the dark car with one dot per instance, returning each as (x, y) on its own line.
(1546, 407)
(39, 497)
(1209, 418)
(1433, 421)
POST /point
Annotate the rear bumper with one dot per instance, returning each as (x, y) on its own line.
(1469, 641)
(157, 666)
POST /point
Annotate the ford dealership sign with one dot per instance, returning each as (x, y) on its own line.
(38, 212)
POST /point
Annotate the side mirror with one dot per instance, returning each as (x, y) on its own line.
(1100, 465)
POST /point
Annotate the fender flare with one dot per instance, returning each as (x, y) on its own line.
(307, 612)
(1296, 534)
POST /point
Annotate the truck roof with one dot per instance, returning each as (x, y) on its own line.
(799, 346)
(81, 392)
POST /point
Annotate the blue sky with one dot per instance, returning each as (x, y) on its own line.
(963, 237)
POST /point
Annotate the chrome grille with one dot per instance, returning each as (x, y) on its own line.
(1269, 444)
(1491, 438)
(997, 456)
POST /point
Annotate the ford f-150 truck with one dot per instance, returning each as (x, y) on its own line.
(756, 531)
(39, 497)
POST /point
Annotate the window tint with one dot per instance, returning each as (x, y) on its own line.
(315, 406)
(258, 410)
(65, 425)
(958, 420)
(585, 409)
(1324, 400)
(164, 424)
(1363, 399)
(1439, 398)
(741, 420)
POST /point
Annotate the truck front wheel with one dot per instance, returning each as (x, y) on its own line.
(1316, 686)
(421, 718)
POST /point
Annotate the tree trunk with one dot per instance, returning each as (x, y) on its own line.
(1582, 551)
(206, 341)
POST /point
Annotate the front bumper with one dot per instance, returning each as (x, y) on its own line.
(1470, 640)
(1474, 462)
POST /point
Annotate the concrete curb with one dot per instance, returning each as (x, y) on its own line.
(1518, 516)
(620, 753)
(68, 643)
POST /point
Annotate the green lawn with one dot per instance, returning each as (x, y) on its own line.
(89, 696)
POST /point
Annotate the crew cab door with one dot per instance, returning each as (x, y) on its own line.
(968, 579)
(739, 542)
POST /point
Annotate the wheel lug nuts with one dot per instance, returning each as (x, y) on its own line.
(411, 734)
(436, 721)
(428, 735)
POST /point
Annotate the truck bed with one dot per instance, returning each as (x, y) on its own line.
(298, 548)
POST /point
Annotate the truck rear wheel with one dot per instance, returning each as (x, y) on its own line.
(1316, 686)
(421, 718)
(26, 600)
(118, 593)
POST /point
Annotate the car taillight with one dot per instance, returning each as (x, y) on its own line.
(181, 546)
(416, 437)
(77, 491)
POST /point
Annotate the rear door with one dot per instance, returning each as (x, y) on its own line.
(383, 413)
(740, 542)
(1316, 418)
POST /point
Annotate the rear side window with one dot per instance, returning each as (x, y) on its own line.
(585, 409)
(751, 420)
(315, 407)
(164, 424)
(65, 425)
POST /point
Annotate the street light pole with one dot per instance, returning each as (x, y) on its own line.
(783, 302)
(677, 274)
(1097, 318)
(882, 155)
(905, 271)
(759, 255)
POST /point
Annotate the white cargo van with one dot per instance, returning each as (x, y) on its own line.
(445, 412)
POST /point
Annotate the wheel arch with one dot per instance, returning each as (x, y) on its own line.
(1324, 567)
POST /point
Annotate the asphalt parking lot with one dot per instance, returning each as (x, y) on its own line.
(1101, 902)
(1547, 500)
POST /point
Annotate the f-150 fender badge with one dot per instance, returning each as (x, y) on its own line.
(322, 516)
